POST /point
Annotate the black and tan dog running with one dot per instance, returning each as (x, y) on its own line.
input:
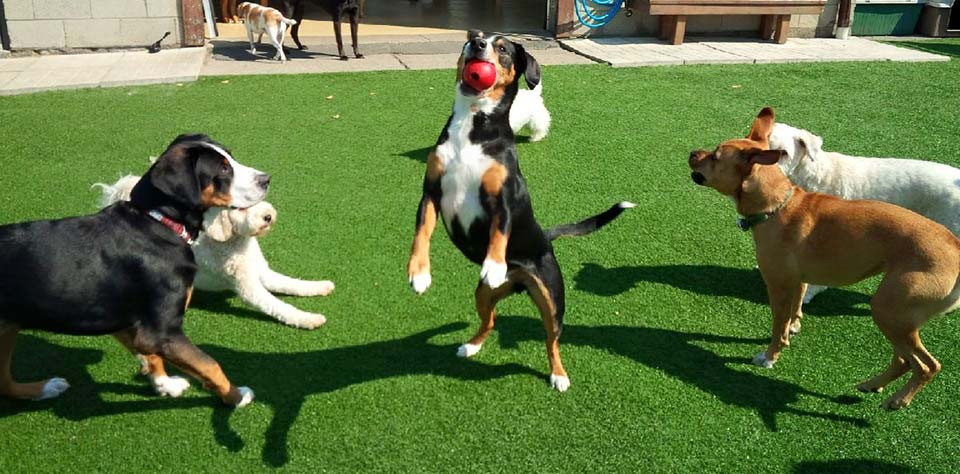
(127, 270)
(474, 180)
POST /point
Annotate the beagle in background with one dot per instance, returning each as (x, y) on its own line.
(803, 237)
(473, 181)
(259, 19)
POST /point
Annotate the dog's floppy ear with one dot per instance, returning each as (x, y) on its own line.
(217, 224)
(763, 157)
(173, 176)
(762, 126)
(811, 144)
(528, 65)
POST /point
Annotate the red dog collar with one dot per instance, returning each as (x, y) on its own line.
(171, 224)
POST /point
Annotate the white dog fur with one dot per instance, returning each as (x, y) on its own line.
(927, 188)
(528, 110)
(229, 258)
(260, 20)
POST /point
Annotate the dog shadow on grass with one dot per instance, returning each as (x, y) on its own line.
(681, 356)
(281, 381)
(712, 280)
(851, 466)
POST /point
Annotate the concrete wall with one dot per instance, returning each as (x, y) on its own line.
(643, 24)
(61, 24)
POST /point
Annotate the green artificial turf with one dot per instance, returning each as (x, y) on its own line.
(664, 307)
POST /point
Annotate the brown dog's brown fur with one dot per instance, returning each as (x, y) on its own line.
(820, 239)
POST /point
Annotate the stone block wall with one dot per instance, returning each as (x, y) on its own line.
(64, 24)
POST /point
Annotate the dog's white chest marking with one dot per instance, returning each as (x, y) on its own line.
(464, 164)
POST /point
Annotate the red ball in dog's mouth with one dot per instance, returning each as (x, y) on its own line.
(479, 75)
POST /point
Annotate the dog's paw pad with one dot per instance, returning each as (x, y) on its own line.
(493, 273)
(420, 282)
(53, 388)
(762, 361)
(246, 396)
(559, 382)
(172, 387)
(468, 350)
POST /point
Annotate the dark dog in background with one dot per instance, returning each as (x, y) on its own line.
(336, 8)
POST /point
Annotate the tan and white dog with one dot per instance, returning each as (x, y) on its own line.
(267, 20)
(927, 188)
(803, 237)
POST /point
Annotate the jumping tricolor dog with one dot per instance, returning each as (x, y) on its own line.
(267, 20)
(473, 180)
(127, 270)
(803, 237)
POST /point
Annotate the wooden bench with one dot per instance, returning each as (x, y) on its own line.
(775, 22)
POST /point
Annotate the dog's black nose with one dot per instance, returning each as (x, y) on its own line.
(698, 178)
(263, 180)
(478, 44)
(268, 218)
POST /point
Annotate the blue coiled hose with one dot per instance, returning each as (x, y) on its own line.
(592, 20)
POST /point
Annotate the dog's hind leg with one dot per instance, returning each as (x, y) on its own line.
(539, 124)
(353, 35)
(339, 36)
(276, 39)
(151, 365)
(179, 351)
(486, 301)
(41, 390)
(279, 283)
(546, 290)
(297, 15)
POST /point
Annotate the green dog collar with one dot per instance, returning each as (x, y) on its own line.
(745, 223)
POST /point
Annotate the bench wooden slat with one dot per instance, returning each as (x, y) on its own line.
(784, 3)
(731, 9)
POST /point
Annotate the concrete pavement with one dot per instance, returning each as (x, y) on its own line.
(19, 75)
(637, 52)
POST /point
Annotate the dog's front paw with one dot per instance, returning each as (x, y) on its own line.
(359, 56)
(344, 58)
(795, 327)
(301, 47)
(559, 382)
(246, 396)
(308, 320)
(172, 387)
(420, 282)
(53, 388)
(468, 350)
(322, 288)
(762, 361)
(493, 273)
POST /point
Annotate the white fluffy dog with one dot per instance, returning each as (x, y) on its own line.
(927, 188)
(528, 110)
(229, 258)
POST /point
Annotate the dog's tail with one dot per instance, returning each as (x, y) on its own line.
(589, 224)
(116, 192)
(288, 21)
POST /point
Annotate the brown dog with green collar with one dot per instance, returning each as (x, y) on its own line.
(814, 238)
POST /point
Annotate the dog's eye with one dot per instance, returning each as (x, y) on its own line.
(502, 48)
(224, 168)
